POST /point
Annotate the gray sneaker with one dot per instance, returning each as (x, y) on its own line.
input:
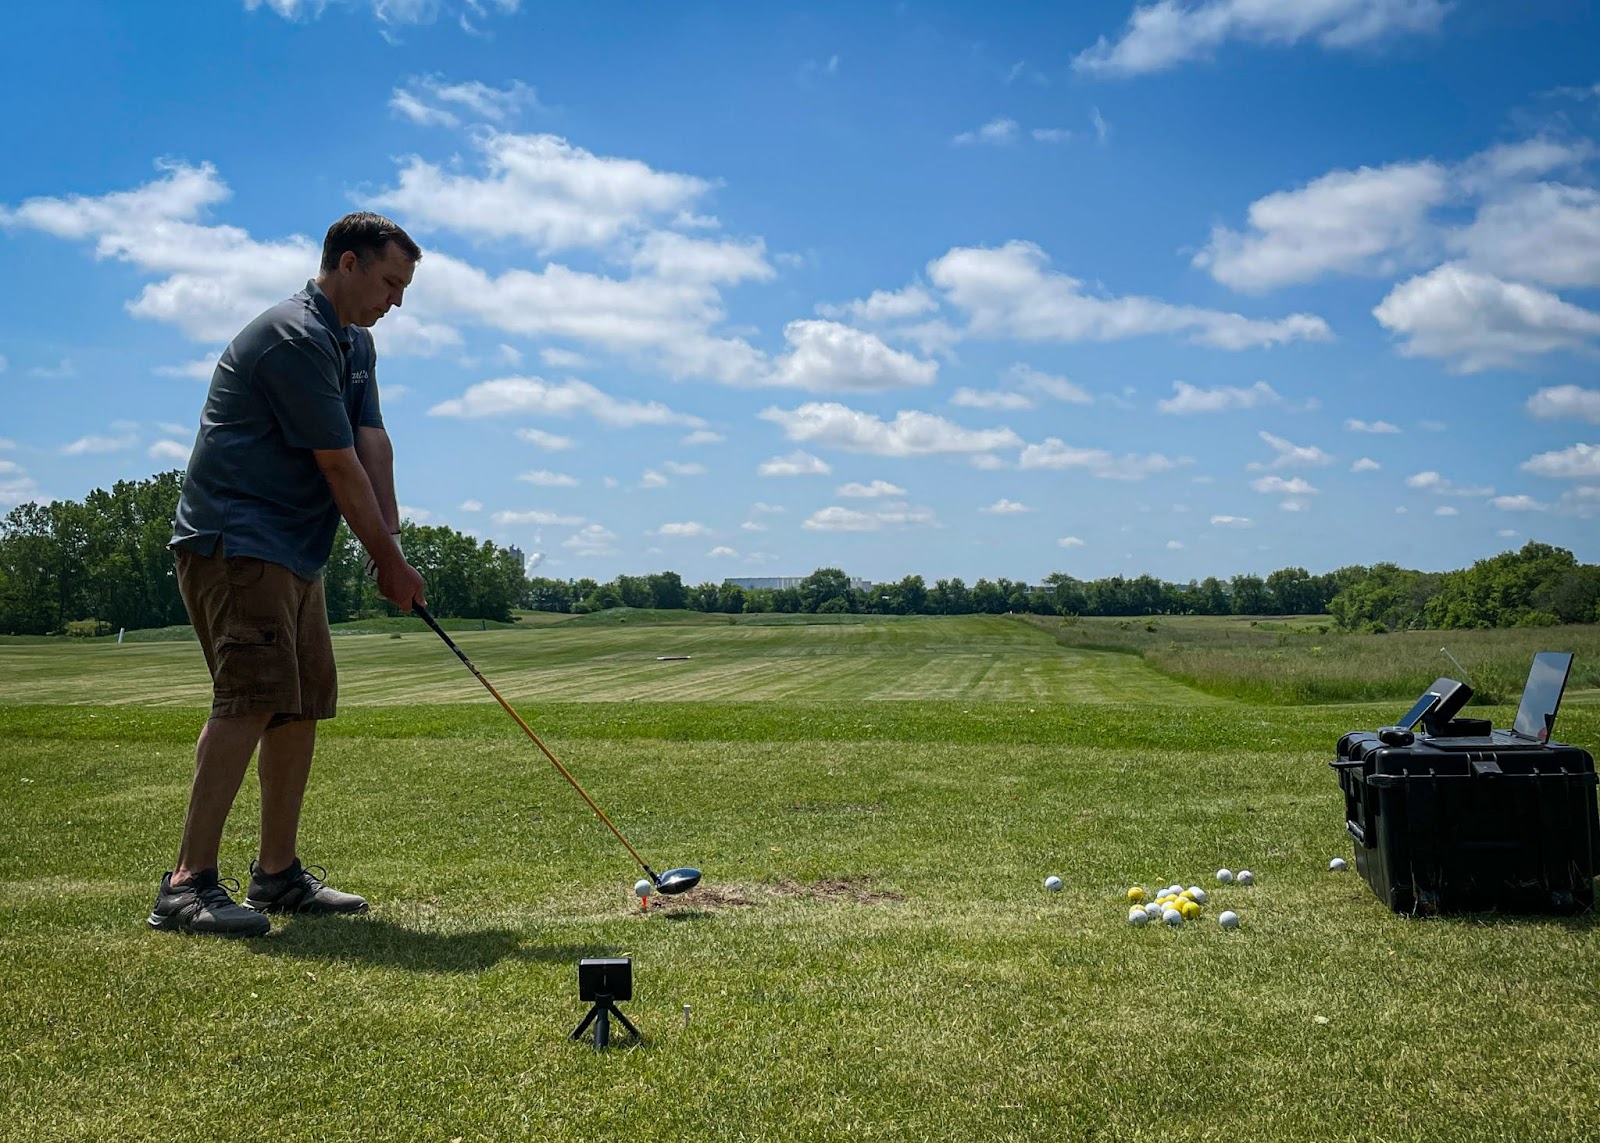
(204, 905)
(298, 890)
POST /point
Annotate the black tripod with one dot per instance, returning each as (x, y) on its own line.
(600, 1013)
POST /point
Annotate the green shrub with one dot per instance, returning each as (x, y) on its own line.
(88, 628)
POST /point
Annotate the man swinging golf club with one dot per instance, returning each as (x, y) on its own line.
(291, 438)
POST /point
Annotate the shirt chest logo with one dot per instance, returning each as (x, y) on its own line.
(360, 377)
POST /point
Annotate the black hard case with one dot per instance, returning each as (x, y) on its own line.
(1446, 826)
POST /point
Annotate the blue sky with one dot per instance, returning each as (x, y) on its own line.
(1187, 288)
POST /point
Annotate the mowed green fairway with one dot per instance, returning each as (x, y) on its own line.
(871, 955)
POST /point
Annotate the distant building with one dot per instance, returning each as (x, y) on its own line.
(778, 583)
(522, 560)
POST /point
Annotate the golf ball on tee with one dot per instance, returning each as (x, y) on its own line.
(1053, 884)
(1246, 877)
(642, 888)
(1224, 875)
(1228, 919)
(1337, 864)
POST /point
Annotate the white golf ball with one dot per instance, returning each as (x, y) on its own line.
(642, 888)
(1172, 917)
(1138, 917)
(1199, 894)
(1154, 911)
(1228, 919)
(1224, 875)
(1337, 864)
(1246, 877)
(1053, 884)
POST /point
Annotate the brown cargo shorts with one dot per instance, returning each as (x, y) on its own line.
(264, 631)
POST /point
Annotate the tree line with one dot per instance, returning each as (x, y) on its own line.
(89, 568)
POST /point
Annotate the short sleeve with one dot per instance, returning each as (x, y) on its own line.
(301, 381)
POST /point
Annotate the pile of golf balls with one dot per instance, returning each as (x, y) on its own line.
(1175, 905)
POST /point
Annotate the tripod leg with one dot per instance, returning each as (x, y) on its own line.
(602, 1027)
(577, 1033)
(626, 1023)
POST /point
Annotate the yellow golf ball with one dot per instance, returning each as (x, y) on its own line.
(1189, 910)
(1136, 894)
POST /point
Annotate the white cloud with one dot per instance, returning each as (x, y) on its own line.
(998, 132)
(1053, 453)
(678, 468)
(1518, 504)
(702, 437)
(687, 528)
(1192, 399)
(1346, 221)
(562, 358)
(678, 257)
(868, 491)
(1032, 380)
(753, 526)
(1069, 542)
(536, 396)
(1102, 129)
(769, 509)
(421, 100)
(986, 462)
(1433, 482)
(1165, 33)
(1004, 507)
(653, 479)
(883, 306)
(895, 515)
(535, 516)
(1289, 455)
(63, 369)
(1565, 401)
(795, 464)
(911, 433)
(415, 515)
(989, 399)
(168, 450)
(1278, 486)
(1365, 464)
(591, 540)
(1051, 135)
(472, 506)
(1581, 461)
(825, 355)
(92, 445)
(1010, 292)
(1582, 500)
(16, 486)
(550, 442)
(543, 478)
(393, 12)
(1174, 545)
(1356, 426)
(200, 370)
(1477, 321)
(1232, 522)
(1446, 510)
(720, 552)
(1547, 233)
(217, 277)
(542, 190)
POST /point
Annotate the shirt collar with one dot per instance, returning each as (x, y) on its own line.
(326, 312)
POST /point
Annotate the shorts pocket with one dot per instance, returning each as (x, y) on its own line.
(244, 571)
(254, 659)
(249, 633)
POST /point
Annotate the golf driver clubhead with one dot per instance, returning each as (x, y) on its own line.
(673, 881)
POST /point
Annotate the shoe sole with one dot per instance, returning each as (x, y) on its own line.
(314, 911)
(161, 923)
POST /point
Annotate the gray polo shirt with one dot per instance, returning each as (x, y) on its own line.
(292, 381)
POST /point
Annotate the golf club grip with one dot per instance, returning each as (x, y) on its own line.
(422, 612)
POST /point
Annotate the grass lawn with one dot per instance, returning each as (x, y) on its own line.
(875, 804)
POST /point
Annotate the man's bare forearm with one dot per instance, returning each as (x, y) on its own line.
(358, 503)
(376, 453)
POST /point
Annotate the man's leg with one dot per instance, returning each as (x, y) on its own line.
(284, 767)
(221, 756)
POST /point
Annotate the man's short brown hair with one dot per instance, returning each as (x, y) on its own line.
(365, 234)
